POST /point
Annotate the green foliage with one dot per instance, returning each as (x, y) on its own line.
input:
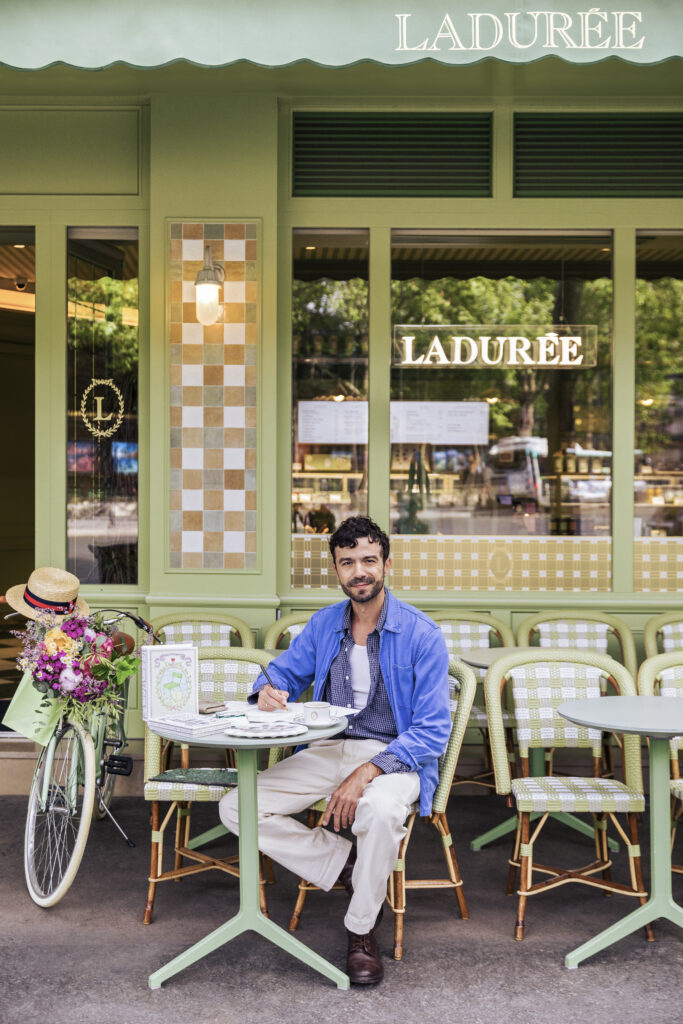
(97, 326)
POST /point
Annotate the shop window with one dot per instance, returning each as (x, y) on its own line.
(329, 379)
(658, 479)
(102, 405)
(496, 436)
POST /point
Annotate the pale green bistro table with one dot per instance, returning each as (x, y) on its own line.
(660, 718)
(249, 916)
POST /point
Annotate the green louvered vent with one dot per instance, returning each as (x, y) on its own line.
(391, 154)
(597, 155)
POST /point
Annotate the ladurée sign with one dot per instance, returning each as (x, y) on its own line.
(474, 346)
(594, 29)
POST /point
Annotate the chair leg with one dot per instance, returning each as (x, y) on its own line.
(601, 847)
(514, 860)
(638, 871)
(304, 886)
(151, 889)
(263, 901)
(397, 887)
(525, 870)
(440, 823)
(182, 832)
(268, 869)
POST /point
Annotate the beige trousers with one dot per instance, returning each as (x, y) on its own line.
(319, 854)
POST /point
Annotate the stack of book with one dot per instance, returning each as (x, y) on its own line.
(190, 725)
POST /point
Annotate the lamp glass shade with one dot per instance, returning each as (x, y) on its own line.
(207, 303)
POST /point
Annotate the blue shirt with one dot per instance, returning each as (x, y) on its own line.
(414, 666)
(376, 720)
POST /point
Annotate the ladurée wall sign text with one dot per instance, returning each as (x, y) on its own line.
(594, 29)
(474, 346)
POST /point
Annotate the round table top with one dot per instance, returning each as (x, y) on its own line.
(221, 739)
(484, 657)
(659, 717)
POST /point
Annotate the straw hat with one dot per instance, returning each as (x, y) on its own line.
(48, 590)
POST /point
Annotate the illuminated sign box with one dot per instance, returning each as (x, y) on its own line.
(498, 346)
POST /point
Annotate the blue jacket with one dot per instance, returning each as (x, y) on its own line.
(414, 662)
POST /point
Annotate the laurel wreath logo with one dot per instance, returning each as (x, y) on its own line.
(116, 423)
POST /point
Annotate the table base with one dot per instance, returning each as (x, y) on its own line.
(244, 922)
(249, 916)
(661, 902)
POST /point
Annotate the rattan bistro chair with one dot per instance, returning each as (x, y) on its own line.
(539, 681)
(583, 631)
(287, 626)
(663, 675)
(474, 631)
(462, 689)
(462, 692)
(663, 634)
(580, 630)
(224, 674)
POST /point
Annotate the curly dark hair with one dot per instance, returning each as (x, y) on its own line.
(354, 529)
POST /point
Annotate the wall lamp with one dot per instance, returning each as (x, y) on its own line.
(207, 289)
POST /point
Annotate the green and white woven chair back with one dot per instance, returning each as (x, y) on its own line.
(295, 629)
(200, 634)
(671, 685)
(462, 635)
(226, 679)
(575, 634)
(672, 637)
(537, 689)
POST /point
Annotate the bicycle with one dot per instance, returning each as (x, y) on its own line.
(73, 782)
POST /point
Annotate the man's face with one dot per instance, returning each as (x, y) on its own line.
(361, 570)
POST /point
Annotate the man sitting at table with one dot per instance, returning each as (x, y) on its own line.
(386, 658)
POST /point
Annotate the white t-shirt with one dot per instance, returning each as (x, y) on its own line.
(360, 675)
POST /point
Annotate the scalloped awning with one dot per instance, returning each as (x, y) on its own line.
(94, 34)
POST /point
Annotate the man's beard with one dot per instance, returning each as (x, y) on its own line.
(374, 590)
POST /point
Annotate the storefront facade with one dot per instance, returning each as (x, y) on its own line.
(453, 256)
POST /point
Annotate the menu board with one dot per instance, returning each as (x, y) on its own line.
(453, 423)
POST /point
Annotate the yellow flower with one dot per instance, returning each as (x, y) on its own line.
(56, 641)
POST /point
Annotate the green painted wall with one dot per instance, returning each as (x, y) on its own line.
(215, 144)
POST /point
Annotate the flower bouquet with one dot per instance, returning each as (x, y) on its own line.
(79, 666)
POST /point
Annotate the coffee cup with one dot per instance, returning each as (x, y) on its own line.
(317, 712)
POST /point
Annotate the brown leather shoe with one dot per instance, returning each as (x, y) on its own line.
(363, 962)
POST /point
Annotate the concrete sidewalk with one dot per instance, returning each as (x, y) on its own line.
(87, 959)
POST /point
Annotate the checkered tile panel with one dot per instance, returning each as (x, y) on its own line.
(537, 690)
(213, 399)
(573, 793)
(465, 563)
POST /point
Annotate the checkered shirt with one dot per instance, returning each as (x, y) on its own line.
(376, 720)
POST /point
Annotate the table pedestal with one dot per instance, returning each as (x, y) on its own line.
(249, 916)
(661, 902)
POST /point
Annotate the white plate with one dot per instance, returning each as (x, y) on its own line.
(316, 725)
(257, 731)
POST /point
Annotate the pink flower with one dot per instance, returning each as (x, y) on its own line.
(69, 680)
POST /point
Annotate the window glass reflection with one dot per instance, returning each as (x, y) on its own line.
(494, 443)
(329, 377)
(102, 410)
(658, 478)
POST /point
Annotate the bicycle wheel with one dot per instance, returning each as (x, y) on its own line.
(59, 813)
(110, 739)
